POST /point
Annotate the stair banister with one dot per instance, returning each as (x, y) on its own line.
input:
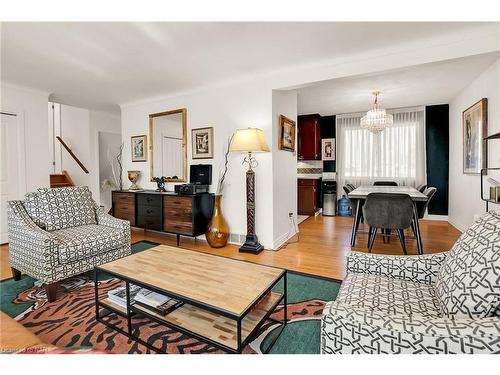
(72, 154)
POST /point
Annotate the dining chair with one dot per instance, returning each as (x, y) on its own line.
(421, 188)
(351, 186)
(385, 183)
(422, 206)
(388, 212)
(347, 189)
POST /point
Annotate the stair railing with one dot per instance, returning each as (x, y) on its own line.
(72, 154)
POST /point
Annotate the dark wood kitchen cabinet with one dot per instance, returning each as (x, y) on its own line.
(309, 137)
(308, 196)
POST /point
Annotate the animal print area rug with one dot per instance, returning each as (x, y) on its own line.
(70, 320)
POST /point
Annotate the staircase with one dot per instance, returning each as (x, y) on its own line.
(61, 180)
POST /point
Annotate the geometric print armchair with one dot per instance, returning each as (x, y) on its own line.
(441, 303)
(58, 233)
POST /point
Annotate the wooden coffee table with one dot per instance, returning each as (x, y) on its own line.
(220, 301)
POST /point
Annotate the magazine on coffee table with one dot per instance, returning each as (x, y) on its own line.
(154, 301)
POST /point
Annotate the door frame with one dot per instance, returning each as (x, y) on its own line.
(21, 150)
(21, 146)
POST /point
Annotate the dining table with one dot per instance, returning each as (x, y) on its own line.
(360, 193)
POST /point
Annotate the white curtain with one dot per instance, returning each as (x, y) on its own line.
(396, 154)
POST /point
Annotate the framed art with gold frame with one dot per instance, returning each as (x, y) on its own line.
(138, 144)
(287, 134)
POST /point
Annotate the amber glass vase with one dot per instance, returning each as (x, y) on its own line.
(218, 230)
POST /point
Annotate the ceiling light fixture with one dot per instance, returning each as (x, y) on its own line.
(376, 119)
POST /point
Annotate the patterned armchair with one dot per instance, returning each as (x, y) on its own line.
(442, 303)
(58, 233)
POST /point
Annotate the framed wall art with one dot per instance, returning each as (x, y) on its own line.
(328, 149)
(287, 134)
(202, 141)
(475, 128)
(139, 146)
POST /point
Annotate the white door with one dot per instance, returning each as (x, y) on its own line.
(10, 171)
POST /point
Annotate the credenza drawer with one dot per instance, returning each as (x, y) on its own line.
(179, 227)
(178, 202)
(126, 198)
(178, 212)
(149, 222)
(149, 211)
(149, 200)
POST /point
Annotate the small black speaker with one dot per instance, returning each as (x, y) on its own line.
(200, 174)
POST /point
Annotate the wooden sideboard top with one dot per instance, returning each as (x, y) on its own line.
(156, 192)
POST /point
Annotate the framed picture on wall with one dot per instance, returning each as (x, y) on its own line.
(475, 128)
(138, 144)
(328, 149)
(202, 142)
(287, 134)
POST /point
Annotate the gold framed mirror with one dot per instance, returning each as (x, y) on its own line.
(168, 145)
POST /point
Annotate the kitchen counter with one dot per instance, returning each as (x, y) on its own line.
(309, 176)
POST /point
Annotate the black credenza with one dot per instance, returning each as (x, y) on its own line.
(186, 215)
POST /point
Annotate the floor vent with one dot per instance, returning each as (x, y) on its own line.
(237, 238)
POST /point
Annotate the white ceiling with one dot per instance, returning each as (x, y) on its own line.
(435, 83)
(99, 65)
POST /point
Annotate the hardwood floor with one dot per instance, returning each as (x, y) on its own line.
(320, 248)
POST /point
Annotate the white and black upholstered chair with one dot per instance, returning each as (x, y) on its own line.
(388, 212)
(425, 304)
(58, 233)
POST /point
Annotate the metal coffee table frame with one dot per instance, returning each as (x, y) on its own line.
(131, 310)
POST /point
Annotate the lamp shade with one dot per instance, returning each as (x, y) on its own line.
(249, 140)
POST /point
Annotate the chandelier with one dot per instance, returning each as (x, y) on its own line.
(376, 119)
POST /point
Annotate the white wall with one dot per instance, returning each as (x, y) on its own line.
(226, 109)
(108, 123)
(465, 192)
(32, 106)
(284, 170)
(109, 147)
(75, 132)
(79, 128)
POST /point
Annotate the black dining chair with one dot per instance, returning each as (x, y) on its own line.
(354, 202)
(347, 189)
(422, 206)
(388, 211)
(421, 188)
(385, 183)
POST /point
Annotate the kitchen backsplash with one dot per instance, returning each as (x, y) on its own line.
(310, 167)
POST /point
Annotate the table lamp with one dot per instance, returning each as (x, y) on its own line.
(250, 140)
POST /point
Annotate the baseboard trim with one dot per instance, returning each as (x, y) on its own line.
(458, 226)
(436, 217)
(282, 240)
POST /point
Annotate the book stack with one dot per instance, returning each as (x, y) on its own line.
(153, 301)
(119, 295)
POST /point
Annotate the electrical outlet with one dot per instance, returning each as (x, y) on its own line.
(290, 214)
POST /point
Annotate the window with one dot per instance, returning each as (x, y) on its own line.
(397, 153)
